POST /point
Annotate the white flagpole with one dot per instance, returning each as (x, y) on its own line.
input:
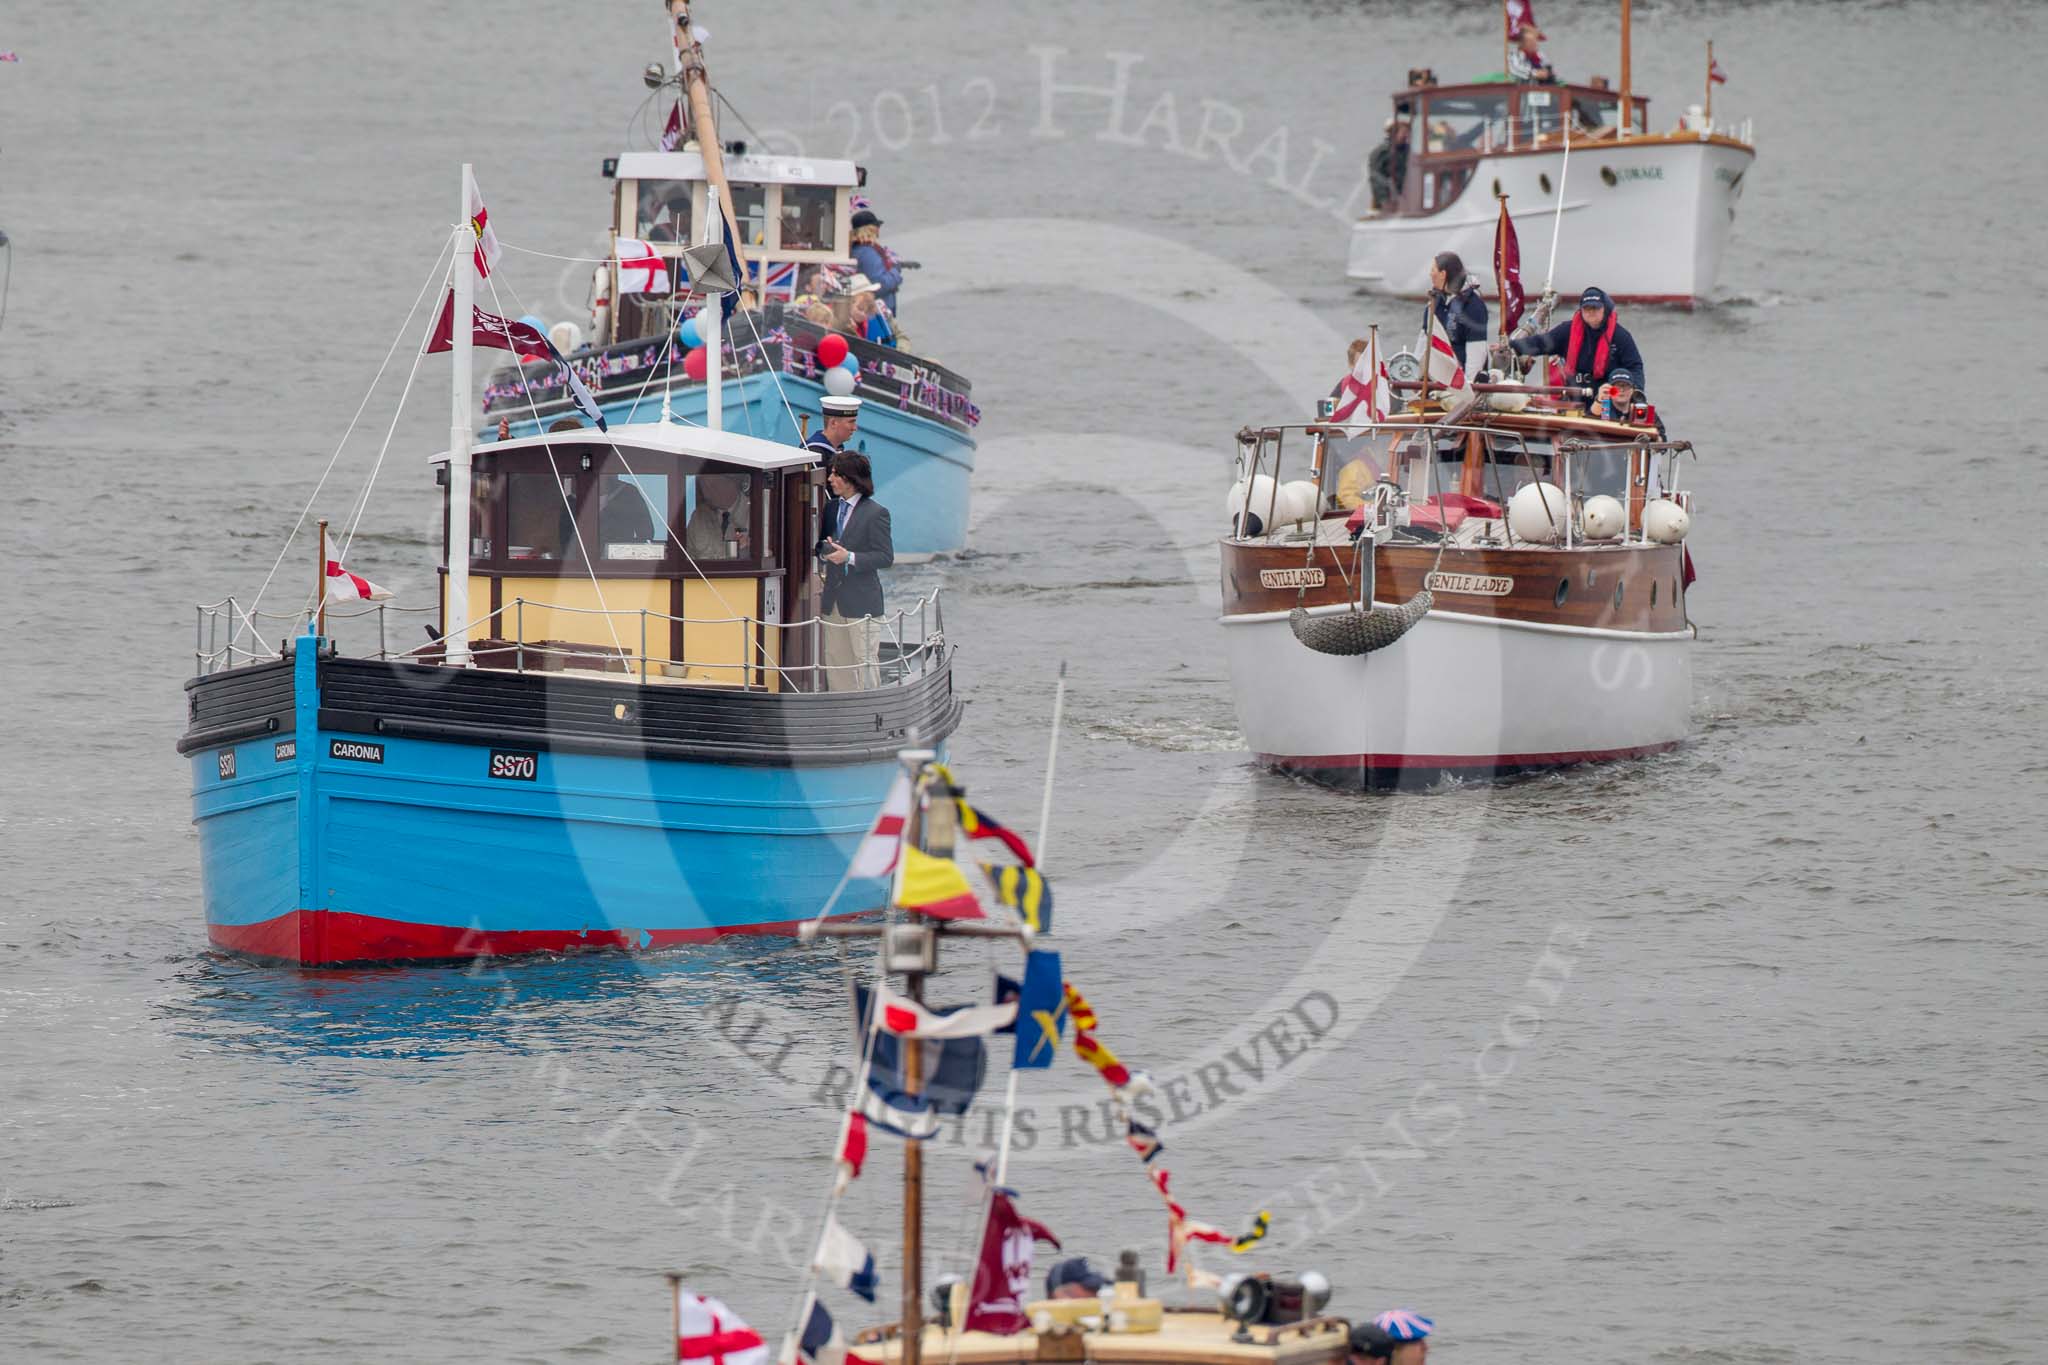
(1052, 754)
(1564, 173)
(462, 327)
(711, 323)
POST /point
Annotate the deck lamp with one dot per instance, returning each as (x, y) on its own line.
(655, 76)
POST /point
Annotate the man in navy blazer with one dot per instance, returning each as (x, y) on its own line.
(855, 547)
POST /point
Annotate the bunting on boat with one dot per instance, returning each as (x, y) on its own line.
(1024, 890)
(1041, 1012)
(936, 887)
(876, 856)
(819, 1342)
(976, 824)
(843, 1260)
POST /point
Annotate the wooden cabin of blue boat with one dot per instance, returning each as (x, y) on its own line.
(665, 552)
(794, 213)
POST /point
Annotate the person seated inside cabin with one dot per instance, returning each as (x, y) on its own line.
(537, 521)
(1357, 475)
(1526, 63)
(665, 219)
(1074, 1278)
(1387, 167)
(717, 528)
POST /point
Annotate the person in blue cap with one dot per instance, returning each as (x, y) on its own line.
(1074, 1278)
(1592, 341)
(1370, 1345)
(1409, 1331)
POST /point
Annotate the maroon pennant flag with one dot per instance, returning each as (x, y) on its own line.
(1507, 270)
(1002, 1276)
(672, 135)
(490, 330)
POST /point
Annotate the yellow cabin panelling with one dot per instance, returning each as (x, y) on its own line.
(715, 646)
(479, 605)
(569, 609)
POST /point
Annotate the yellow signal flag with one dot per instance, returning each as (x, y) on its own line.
(1024, 890)
(936, 887)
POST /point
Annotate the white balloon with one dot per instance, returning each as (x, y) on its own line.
(839, 381)
(567, 336)
(1665, 522)
(1604, 517)
(1536, 513)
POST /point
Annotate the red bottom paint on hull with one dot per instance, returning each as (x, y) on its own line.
(331, 938)
(1393, 770)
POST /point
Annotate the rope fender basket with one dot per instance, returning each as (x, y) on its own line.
(1359, 632)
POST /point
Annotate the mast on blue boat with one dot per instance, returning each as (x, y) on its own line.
(461, 334)
(710, 319)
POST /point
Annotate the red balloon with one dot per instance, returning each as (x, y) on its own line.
(695, 363)
(831, 349)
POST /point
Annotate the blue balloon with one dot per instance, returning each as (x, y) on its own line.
(535, 323)
(852, 362)
(692, 338)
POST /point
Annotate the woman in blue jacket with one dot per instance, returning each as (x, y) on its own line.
(1455, 297)
(873, 259)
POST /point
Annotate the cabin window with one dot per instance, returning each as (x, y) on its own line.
(632, 517)
(664, 211)
(1466, 123)
(1542, 114)
(720, 520)
(1601, 471)
(750, 208)
(486, 487)
(1512, 463)
(809, 217)
(538, 524)
(1592, 113)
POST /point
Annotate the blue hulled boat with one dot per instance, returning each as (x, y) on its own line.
(641, 747)
(793, 215)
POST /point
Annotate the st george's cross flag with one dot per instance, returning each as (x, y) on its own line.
(345, 586)
(1444, 369)
(642, 269)
(876, 856)
(708, 1331)
(487, 249)
(844, 1261)
(1365, 387)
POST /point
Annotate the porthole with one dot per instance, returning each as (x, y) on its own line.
(1543, 182)
(1564, 590)
(1608, 177)
(1617, 592)
(1653, 592)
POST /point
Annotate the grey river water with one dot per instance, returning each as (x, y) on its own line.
(1736, 1055)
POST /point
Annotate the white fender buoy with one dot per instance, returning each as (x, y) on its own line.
(1298, 500)
(1603, 517)
(1254, 496)
(1665, 522)
(1537, 512)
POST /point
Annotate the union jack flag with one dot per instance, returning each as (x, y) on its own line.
(776, 280)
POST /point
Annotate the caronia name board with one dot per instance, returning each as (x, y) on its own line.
(1471, 584)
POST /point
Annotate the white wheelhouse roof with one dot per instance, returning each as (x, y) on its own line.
(664, 438)
(749, 170)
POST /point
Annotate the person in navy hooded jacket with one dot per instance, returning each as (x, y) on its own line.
(1592, 342)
